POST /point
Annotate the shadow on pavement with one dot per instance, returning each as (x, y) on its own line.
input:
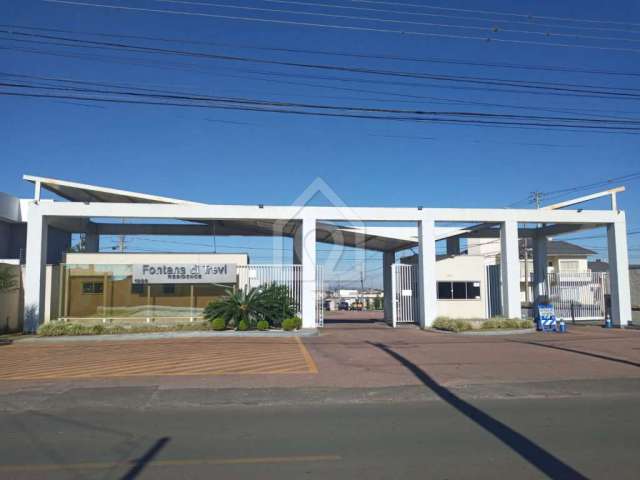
(581, 352)
(354, 321)
(142, 462)
(538, 457)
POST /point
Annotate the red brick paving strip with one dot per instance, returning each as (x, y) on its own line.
(149, 358)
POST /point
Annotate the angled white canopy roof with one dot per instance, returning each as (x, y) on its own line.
(81, 192)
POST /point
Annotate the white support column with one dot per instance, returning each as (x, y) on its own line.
(427, 298)
(308, 272)
(619, 272)
(35, 272)
(297, 246)
(388, 259)
(540, 263)
(510, 269)
(453, 246)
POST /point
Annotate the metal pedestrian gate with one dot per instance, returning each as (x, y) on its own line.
(578, 295)
(404, 285)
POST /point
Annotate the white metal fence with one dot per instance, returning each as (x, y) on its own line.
(319, 296)
(405, 290)
(578, 295)
(253, 276)
(290, 275)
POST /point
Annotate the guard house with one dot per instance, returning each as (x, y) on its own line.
(36, 232)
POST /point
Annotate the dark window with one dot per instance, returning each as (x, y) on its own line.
(169, 289)
(473, 290)
(444, 290)
(92, 287)
(459, 291)
(137, 288)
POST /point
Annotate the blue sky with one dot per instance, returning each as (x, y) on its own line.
(225, 156)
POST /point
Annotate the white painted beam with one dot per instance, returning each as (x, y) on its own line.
(427, 272)
(619, 272)
(244, 212)
(309, 272)
(34, 284)
(510, 269)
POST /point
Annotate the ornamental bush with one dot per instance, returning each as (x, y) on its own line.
(218, 324)
(297, 322)
(243, 326)
(288, 324)
(263, 325)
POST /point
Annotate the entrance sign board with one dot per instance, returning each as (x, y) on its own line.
(184, 273)
(546, 317)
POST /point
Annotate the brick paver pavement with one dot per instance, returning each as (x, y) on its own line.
(210, 356)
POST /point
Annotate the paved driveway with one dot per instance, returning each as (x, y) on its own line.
(145, 358)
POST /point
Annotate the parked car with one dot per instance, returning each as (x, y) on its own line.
(343, 306)
(358, 306)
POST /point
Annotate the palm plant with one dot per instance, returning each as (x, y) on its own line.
(271, 303)
(7, 279)
(236, 305)
(276, 304)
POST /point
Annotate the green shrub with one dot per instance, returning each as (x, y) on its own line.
(297, 322)
(97, 330)
(462, 325)
(51, 329)
(243, 325)
(526, 323)
(218, 324)
(489, 325)
(263, 325)
(451, 325)
(288, 324)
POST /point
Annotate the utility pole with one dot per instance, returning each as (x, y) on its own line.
(122, 241)
(536, 197)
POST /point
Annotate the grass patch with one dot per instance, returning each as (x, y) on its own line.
(57, 329)
(464, 325)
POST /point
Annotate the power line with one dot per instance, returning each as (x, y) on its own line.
(343, 27)
(490, 12)
(377, 56)
(395, 21)
(555, 88)
(232, 103)
(494, 21)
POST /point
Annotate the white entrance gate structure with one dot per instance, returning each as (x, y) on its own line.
(405, 294)
(91, 210)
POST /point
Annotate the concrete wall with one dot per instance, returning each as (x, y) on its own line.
(463, 268)
(11, 303)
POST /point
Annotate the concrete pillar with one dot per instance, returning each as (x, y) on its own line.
(540, 263)
(427, 297)
(35, 269)
(297, 246)
(92, 242)
(619, 272)
(309, 272)
(510, 269)
(453, 246)
(388, 259)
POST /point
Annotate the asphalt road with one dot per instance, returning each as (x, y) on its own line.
(583, 437)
